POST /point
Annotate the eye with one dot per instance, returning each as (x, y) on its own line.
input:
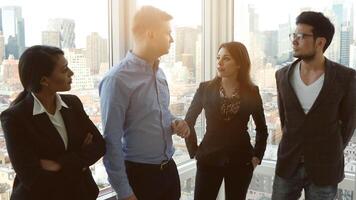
(65, 69)
(226, 58)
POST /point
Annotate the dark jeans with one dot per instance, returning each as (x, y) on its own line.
(292, 187)
(154, 182)
(209, 178)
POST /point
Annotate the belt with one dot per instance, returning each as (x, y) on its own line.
(162, 166)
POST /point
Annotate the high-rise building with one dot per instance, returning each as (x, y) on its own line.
(77, 63)
(353, 56)
(270, 47)
(284, 44)
(13, 26)
(186, 38)
(51, 38)
(10, 71)
(253, 19)
(2, 47)
(345, 42)
(1, 20)
(96, 52)
(12, 48)
(66, 27)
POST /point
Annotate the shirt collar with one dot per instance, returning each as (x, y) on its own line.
(139, 61)
(38, 108)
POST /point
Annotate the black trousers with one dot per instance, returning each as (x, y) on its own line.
(208, 180)
(154, 182)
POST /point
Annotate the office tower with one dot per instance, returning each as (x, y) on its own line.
(284, 44)
(186, 38)
(345, 42)
(96, 52)
(353, 56)
(253, 19)
(12, 48)
(2, 47)
(13, 27)
(10, 71)
(77, 62)
(1, 20)
(270, 46)
(51, 38)
(66, 28)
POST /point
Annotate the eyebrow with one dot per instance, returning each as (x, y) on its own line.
(225, 55)
(65, 65)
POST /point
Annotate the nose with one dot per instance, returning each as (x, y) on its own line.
(171, 39)
(294, 41)
(71, 73)
(220, 63)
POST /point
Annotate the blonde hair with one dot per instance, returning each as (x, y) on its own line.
(148, 17)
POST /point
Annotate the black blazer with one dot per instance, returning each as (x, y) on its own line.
(226, 139)
(31, 138)
(322, 134)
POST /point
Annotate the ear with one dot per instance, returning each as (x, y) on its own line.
(320, 42)
(44, 82)
(150, 34)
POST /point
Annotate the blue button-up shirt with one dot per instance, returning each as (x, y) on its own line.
(135, 117)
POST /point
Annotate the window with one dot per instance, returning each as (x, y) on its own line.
(81, 33)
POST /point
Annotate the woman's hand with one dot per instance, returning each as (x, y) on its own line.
(255, 161)
(50, 165)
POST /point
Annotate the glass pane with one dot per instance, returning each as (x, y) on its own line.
(81, 34)
(265, 33)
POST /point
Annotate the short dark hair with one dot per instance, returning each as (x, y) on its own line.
(322, 27)
(36, 62)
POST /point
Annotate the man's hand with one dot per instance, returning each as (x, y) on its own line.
(181, 128)
(132, 197)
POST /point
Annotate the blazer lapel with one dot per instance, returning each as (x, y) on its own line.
(70, 122)
(290, 90)
(213, 97)
(43, 123)
(328, 80)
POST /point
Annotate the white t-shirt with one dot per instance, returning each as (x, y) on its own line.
(306, 94)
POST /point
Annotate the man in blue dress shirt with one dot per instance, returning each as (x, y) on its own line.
(138, 125)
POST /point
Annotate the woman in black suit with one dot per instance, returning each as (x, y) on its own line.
(226, 151)
(50, 140)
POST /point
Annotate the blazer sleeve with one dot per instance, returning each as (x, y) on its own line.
(280, 101)
(88, 154)
(348, 111)
(261, 127)
(23, 157)
(194, 110)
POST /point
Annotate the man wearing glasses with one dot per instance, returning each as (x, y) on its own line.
(316, 101)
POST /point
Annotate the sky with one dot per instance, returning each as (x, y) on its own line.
(92, 15)
(89, 15)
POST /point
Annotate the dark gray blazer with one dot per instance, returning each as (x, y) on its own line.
(322, 134)
(226, 139)
(30, 138)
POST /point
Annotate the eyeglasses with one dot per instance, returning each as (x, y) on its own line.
(299, 36)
